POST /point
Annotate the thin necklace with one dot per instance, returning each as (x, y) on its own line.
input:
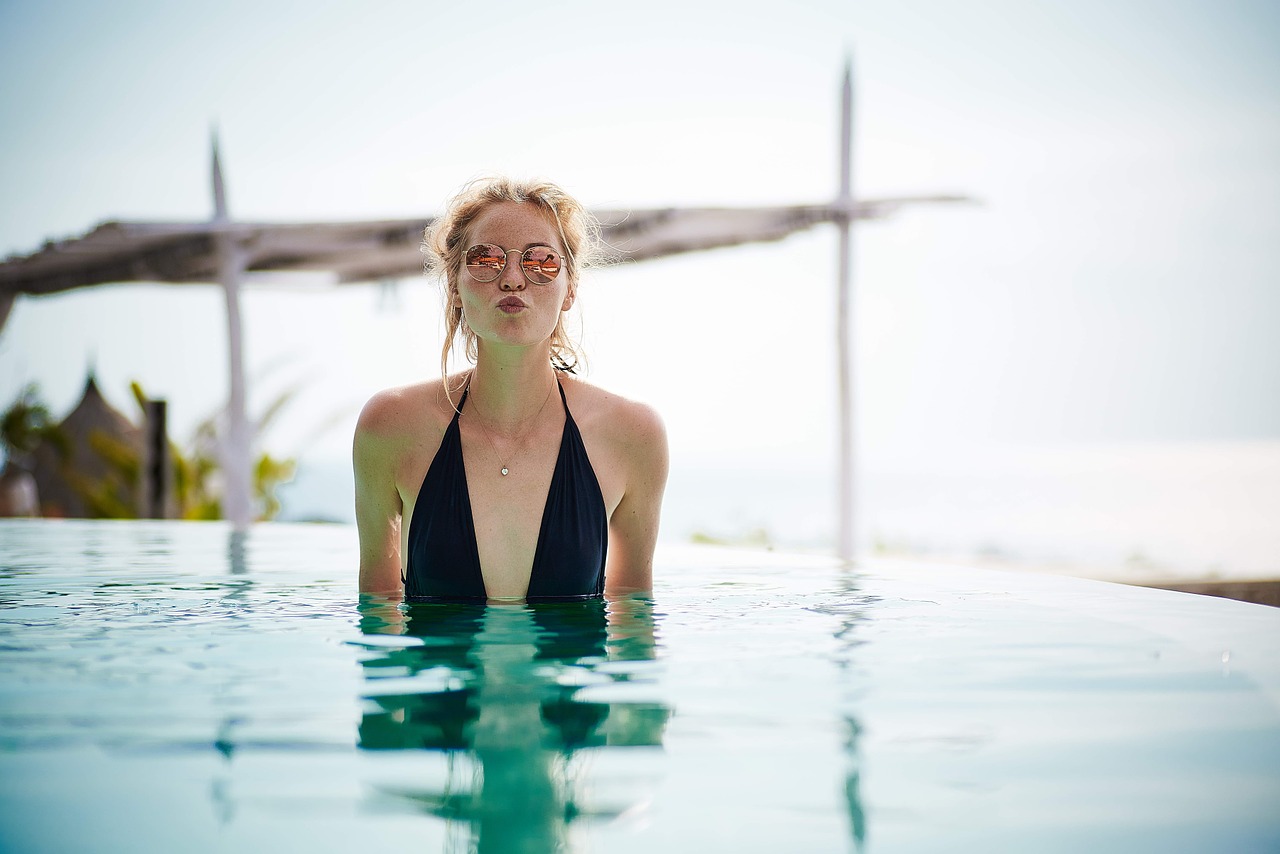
(519, 441)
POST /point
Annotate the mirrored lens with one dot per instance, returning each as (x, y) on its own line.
(541, 264)
(485, 262)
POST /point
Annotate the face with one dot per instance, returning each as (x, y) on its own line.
(512, 310)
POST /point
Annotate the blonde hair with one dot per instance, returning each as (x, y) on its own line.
(444, 243)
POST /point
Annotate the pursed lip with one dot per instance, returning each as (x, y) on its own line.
(511, 303)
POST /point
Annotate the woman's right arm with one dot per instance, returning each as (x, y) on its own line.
(378, 505)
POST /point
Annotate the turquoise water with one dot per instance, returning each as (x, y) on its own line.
(172, 686)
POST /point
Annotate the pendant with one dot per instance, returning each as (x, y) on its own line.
(504, 471)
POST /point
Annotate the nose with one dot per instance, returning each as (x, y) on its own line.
(512, 278)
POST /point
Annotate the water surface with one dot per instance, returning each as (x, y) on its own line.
(173, 686)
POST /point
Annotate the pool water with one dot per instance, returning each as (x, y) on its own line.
(178, 687)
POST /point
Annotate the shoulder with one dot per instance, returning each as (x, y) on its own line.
(395, 411)
(632, 427)
(397, 423)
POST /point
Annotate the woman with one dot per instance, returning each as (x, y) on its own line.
(513, 480)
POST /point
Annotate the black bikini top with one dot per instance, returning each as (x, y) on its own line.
(568, 563)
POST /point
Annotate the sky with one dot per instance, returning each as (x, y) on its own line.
(1117, 279)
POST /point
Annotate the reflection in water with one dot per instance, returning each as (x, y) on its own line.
(236, 552)
(499, 690)
(850, 611)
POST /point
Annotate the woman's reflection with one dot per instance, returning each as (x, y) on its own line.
(501, 686)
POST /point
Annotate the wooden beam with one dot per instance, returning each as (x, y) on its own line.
(845, 519)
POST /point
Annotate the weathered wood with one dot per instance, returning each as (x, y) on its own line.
(185, 253)
(235, 445)
(226, 252)
(845, 510)
(156, 494)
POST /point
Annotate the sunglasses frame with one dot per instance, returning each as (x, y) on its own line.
(507, 252)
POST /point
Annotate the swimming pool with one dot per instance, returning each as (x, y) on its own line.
(173, 686)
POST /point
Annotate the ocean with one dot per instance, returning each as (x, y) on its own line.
(1123, 512)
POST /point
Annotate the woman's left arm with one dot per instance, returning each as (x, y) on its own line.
(633, 527)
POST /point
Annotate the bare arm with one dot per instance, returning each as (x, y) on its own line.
(378, 505)
(633, 527)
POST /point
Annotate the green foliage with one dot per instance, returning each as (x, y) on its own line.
(139, 395)
(193, 475)
(121, 458)
(114, 495)
(27, 423)
(196, 471)
(268, 474)
(757, 537)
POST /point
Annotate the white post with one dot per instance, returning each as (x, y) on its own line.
(237, 497)
(844, 318)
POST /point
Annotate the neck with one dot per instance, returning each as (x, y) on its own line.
(511, 385)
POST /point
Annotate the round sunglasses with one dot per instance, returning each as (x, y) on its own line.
(486, 261)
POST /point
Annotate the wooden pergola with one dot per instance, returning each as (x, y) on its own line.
(229, 253)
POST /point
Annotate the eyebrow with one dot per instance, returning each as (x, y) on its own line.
(526, 248)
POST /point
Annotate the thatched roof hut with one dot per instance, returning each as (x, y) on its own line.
(98, 474)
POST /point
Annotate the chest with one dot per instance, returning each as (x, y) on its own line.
(508, 510)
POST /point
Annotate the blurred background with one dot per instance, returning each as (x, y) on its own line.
(1079, 373)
